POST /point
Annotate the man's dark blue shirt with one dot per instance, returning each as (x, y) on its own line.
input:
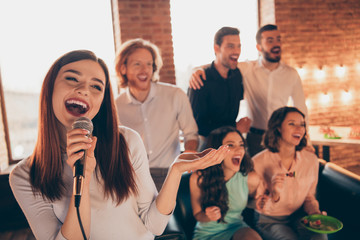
(216, 104)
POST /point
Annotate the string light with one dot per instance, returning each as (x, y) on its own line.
(308, 103)
(325, 98)
(358, 67)
(319, 74)
(340, 71)
(301, 71)
(346, 96)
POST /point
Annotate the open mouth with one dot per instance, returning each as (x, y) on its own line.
(275, 50)
(142, 77)
(234, 58)
(236, 160)
(297, 136)
(76, 107)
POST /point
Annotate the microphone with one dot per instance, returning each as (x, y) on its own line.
(79, 166)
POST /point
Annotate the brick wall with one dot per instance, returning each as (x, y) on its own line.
(150, 20)
(321, 38)
(317, 35)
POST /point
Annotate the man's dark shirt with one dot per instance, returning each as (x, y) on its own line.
(216, 104)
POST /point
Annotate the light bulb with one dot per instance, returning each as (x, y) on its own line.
(346, 97)
(302, 71)
(308, 103)
(340, 71)
(325, 98)
(319, 74)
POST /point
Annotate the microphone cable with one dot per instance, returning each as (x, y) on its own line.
(80, 123)
(77, 203)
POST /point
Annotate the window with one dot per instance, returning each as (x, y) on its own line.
(194, 24)
(33, 35)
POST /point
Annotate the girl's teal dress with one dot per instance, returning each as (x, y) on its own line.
(238, 196)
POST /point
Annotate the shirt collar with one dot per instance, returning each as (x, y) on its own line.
(261, 65)
(130, 98)
(276, 156)
(215, 71)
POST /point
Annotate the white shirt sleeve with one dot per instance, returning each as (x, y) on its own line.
(153, 220)
(187, 123)
(39, 212)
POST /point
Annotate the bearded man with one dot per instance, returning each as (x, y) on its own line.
(268, 85)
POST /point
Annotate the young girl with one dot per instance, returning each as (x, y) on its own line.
(220, 193)
(119, 199)
(290, 173)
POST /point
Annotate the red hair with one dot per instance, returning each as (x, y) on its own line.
(111, 152)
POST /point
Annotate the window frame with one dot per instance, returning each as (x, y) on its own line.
(5, 124)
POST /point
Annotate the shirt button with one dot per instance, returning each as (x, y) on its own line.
(150, 152)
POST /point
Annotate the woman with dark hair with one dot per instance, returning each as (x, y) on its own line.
(119, 199)
(290, 173)
(220, 193)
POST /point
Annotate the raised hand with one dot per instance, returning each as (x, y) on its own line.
(243, 125)
(277, 185)
(189, 162)
(195, 80)
(261, 201)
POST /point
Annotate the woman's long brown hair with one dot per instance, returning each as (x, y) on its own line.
(111, 152)
(211, 181)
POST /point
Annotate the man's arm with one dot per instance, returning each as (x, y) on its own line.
(197, 77)
(243, 125)
(191, 146)
(187, 122)
(199, 106)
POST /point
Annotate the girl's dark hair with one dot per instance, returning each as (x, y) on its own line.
(211, 180)
(111, 152)
(272, 134)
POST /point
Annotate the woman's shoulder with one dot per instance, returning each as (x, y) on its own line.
(20, 175)
(308, 153)
(253, 181)
(253, 177)
(135, 145)
(308, 156)
(22, 167)
(129, 134)
(262, 155)
(132, 137)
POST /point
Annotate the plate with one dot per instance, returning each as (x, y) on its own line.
(327, 224)
(331, 136)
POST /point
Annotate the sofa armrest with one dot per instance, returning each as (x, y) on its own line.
(339, 195)
(183, 210)
(172, 231)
